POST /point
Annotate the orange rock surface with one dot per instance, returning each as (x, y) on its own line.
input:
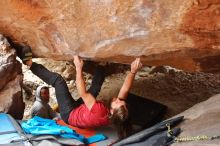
(180, 33)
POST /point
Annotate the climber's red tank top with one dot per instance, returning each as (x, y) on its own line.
(85, 118)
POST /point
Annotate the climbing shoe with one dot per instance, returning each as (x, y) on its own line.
(23, 51)
(26, 53)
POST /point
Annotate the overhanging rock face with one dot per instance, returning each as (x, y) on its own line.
(182, 34)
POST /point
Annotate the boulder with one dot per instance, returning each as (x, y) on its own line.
(11, 78)
(202, 119)
(178, 33)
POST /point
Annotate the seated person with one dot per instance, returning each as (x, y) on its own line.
(41, 107)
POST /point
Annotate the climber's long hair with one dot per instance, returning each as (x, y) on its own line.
(120, 119)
